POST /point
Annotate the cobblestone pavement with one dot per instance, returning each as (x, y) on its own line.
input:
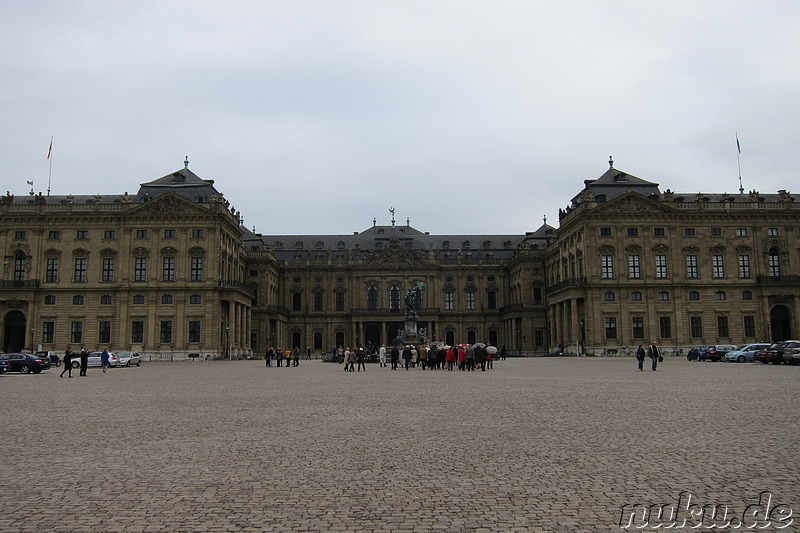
(537, 444)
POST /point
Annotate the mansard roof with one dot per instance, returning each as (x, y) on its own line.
(182, 182)
(614, 183)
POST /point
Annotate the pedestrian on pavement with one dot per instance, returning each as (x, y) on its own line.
(287, 355)
(470, 352)
(84, 361)
(450, 357)
(654, 355)
(462, 358)
(407, 356)
(278, 357)
(104, 360)
(308, 353)
(270, 355)
(640, 356)
(296, 356)
(361, 357)
(382, 355)
(67, 363)
(394, 356)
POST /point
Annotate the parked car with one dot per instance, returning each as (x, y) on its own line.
(718, 351)
(129, 359)
(745, 353)
(3, 366)
(791, 352)
(55, 360)
(773, 354)
(25, 362)
(95, 360)
(697, 353)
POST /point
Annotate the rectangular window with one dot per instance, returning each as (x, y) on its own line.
(691, 267)
(137, 331)
(76, 333)
(166, 331)
(637, 324)
(169, 233)
(140, 269)
(538, 336)
(82, 234)
(634, 267)
(608, 296)
(749, 325)
(168, 272)
(636, 296)
(696, 326)
(772, 232)
(108, 269)
(611, 327)
(47, 332)
(80, 269)
(54, 235)
(717, 266)
(722, 326)
(471, 301)
(194, 331)
(659, 232)
(607, 267)
(605, 232)
(688, 232)
(340, 301)
(296, 302)
(661, 266)
(318, 301)
(449, 304)
(491, 302)
(21, 235)
(716, 232)
(198, 234)
(633, 232)
(744, 266)
(663, 296)
(665, 327)
(52, 270)
(110, 234)
(537, 295)
(104, 330)
(741, 232)
(774, 264)
(196, 273)
(142, 234)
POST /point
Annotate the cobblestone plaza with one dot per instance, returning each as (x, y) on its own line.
(537, 444)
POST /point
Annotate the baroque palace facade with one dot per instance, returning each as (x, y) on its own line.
(171, 271)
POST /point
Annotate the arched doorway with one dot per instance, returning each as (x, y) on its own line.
(372, 334)
(14, 327)
(780, 323)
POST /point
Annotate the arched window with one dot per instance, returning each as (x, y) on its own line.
(394, 298)
(774, 262)
(372, 297)
(19, 266)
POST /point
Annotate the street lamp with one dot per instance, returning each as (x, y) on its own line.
(580, 337)
(228, 342)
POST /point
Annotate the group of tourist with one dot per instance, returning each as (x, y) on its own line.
(465, 357)
(279, 356)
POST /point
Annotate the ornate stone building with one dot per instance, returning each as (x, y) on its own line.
(171, 271)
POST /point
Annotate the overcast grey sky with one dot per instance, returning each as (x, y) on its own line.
(466, 116)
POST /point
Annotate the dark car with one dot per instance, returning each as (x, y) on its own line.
(25, 362)
(697, 353)
(3, 367)
(773, 354)
(718, 351)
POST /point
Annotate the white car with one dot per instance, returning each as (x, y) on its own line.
(95, 359)
(745, 353)
(129, 359)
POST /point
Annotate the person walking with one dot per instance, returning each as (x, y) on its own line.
(654, 355)
(462, 358)
(382, 355)
(104, 360)
(67, 363)
(407, 356)
(394, 356)
(640, 356)
(296, 356)
(84, 361)
(470, 349)
(450, 357)
(361, 358)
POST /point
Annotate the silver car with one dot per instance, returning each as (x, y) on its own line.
(129, 359)
(745, 353)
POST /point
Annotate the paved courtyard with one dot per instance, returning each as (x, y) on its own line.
(537, 444)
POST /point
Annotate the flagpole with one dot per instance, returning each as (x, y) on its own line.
(739, 163)
(50, 157)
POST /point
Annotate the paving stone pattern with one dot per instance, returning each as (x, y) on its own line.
(537, 444)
